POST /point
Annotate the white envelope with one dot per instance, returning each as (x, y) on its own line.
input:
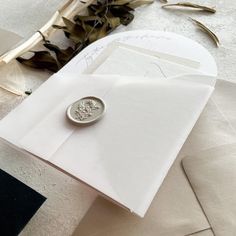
(128, 153)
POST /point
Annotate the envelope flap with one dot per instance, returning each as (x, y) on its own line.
(212, 175)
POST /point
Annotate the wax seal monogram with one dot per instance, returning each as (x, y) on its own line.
(86, 110)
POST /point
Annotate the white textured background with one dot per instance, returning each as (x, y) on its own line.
(69, 200)
(24, 17)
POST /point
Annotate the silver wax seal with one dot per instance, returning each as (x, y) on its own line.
(86, 110)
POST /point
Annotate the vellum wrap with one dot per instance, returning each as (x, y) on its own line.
(114, 153)
(176, 210)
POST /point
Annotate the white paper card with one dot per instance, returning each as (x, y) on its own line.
(122, 59)
(128, 153)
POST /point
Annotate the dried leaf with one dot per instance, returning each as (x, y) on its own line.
(63, 55)
(89, 22)
(78, 18)
(118, 11)
(138, 3)
(126, 18)
(163, 1)
(93, 36)
(123, 12)
(103, 31)
(119, 2)
(207, 31)
(74, 31)
(113, 22)
(98, 9)
(191, 5)
(98, 33)
(59, 27)
(102, 2)
(40, 60)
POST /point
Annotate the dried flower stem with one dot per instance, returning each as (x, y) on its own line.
(191, 5)
(207, 31)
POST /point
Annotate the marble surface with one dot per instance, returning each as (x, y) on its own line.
(68, 200)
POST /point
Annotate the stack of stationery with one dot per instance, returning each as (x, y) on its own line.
(197, 196)
(150, 101)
